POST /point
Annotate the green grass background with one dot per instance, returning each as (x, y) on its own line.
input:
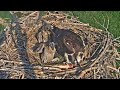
(5, 15)
(88, 17)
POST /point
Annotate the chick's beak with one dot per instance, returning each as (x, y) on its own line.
(38, 47)
(52, 45)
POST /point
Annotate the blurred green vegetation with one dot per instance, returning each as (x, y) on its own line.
(88, 17)
(6, 15)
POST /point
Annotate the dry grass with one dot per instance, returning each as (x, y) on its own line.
(18, 61)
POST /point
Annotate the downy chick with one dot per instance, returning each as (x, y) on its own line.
(46, 51)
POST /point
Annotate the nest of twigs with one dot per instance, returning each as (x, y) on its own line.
(18, 61)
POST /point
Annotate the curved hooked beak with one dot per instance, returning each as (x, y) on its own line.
(52, 45)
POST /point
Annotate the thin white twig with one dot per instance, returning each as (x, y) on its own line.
(102, 25)
(107, 23)
(104, 20)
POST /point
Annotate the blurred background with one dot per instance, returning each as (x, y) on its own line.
(88, 17)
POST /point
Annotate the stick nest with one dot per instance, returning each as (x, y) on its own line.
(18, 61)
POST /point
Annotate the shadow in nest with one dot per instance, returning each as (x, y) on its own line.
(2, 37)
(21, 46)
